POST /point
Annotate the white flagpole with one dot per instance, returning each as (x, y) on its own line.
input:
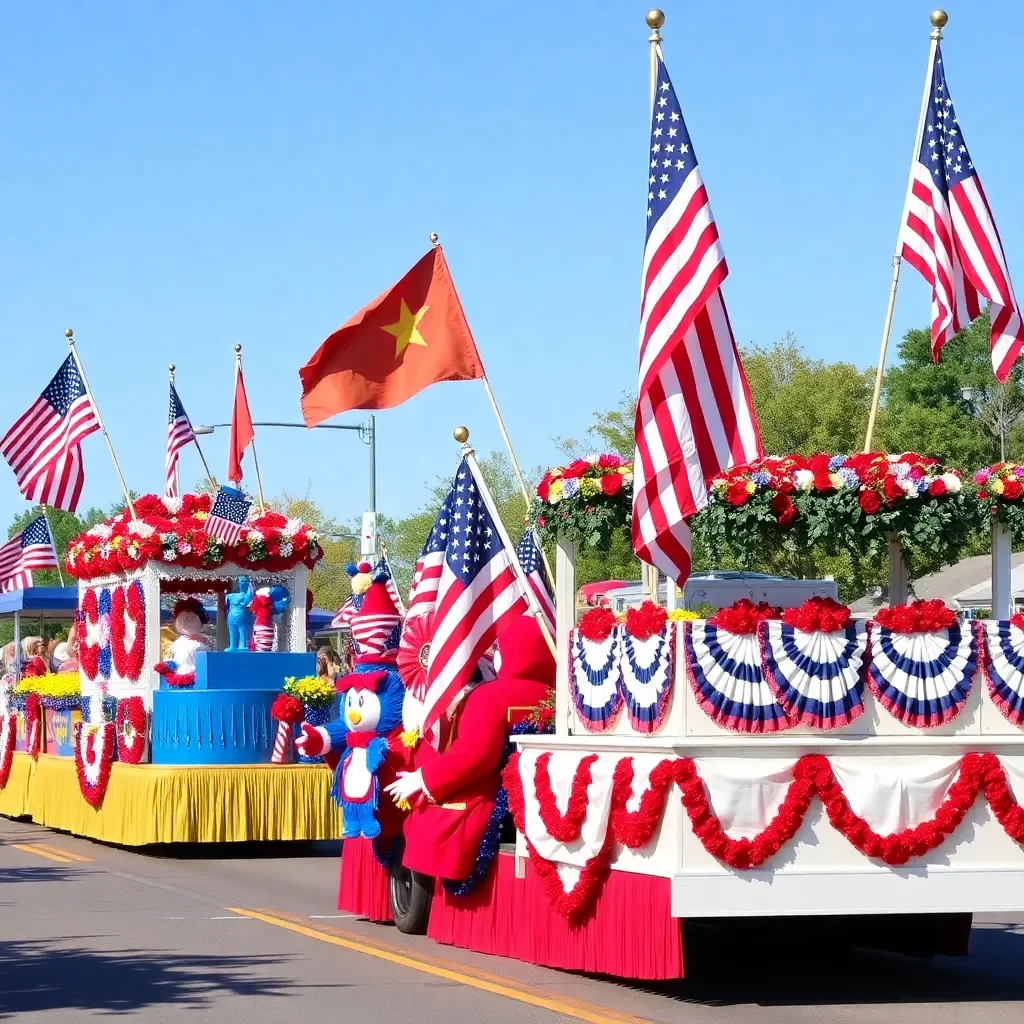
(70, 335)
(53, 544)
(252, 444)
(461, 434)
(938, 20)
(195, 441)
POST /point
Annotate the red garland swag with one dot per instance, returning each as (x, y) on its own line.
(8, 741)
(94, 791)
(33, 725)
(596, 625)
(813, 776)
(646, 621)
(128, 662)
(89, 654)
(743, 616)
(818, 615)
(130, 721)
(916, 617)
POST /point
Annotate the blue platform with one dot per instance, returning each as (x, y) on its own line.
(248, 670)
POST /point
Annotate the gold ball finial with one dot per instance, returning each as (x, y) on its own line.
(938, 18)
(238, 348)
(461, 434)
(655, 19)
(69, 334)
(433, 238)
(170, 367)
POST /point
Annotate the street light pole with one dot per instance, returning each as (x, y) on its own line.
(372, 436)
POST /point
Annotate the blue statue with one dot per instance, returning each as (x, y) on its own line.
(240, 617)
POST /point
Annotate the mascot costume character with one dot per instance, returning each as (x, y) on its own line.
(240, 618)
(455, 791)
(180, 667)
(267, 603)
(365, 743)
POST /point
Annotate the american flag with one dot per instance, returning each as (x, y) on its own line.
(179, 434)
(949, 237)
(427, 574)
(43, 446)
(343, 616)
(536, 575)
(477, 594)
(694, 416)
(228, 515)
(383, 566)
(28, 550)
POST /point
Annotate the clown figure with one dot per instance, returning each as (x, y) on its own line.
(180, 667)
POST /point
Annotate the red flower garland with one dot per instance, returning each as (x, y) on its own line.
(744, 616)
(812, 776)
(916, 617)
(646, 621)
(33, 725)
(9, 740)
(128, 663)
(88, 654)
(94, 792)
(131, 714)
(596, 625)
(818, 615)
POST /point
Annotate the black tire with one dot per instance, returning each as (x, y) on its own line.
(410, 894)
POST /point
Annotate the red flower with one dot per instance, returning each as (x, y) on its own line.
(611, 484)
(576, 469)
(823, 482)
(818, 615)
(786, 486)
(916, 617)
(819, 464)
(937, 487)
(610, 461)
(786, 518)
(743, 616)
(1012, 490)
(870, 502)
(541, 522)
(646, 621)
(596, 625)
(544, 486)
(892, 489)
(737, 493)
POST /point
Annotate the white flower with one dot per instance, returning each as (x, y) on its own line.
(140, 529)
(804, 479)
(254, 536)
(593, 459)
(170, 554)
(173, 505)
(291, 528)
(102, 530)
(105, 550)
(909, 487)
(286, 548)
(627, 479)
(952, 482)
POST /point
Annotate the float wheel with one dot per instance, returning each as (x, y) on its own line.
(410, 894)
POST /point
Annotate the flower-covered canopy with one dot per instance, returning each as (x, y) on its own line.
(173, 530)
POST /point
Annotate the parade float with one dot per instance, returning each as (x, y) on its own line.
(155, 743)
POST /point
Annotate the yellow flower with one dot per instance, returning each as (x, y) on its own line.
(202, 516)
(52, 685)
(624, 470)
(682, 615)
(115, 542)
(996, 486)
(555, 491)
(310, 690)
(751, 487)
(589, 487)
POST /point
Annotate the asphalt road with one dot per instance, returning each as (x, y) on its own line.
(88, 931)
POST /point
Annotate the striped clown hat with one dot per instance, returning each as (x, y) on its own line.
(377, 625)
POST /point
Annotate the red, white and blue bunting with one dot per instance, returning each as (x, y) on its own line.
(1004, 669)
(571, 848)
(724, 671)
(816, 677)
(94, 756)
(8, 741)
(923, 679)
(594, 674)
(645, 679)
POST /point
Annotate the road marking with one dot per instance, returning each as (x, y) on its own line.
(41, 853)
(499, 986)
(63, 853)
(233, 917)
(331, 917)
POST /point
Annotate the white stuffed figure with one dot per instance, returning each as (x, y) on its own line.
(180, 667)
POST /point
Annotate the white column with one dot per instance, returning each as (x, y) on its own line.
(899, 580)
(565, 620)
(1002, 596)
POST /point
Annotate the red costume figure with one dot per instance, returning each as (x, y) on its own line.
(458, 786)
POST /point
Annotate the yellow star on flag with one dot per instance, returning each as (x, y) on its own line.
(406, 329)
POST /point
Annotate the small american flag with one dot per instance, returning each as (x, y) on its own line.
(25, 551)
(477, 594)
(343, 616)
(427, 574)
(179, 434)
(43, 446)
(694, 416)
(383, 566)
(228, 515)
(948, 235)
(536, 575)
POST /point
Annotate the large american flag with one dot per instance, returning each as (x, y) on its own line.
(477, 594)
(536, 575)
(43, 446)
(949, 237)
(228, 515)
(694, 416)
(179, 434)
(28, 550)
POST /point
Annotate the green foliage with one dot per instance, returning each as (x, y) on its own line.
(610, 431)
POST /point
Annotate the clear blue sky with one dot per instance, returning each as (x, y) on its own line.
(179, 177)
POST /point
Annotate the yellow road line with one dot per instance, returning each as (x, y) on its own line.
(63, 853)
(41, 853)
(533, 997)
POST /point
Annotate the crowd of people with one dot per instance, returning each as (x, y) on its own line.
(38, 657)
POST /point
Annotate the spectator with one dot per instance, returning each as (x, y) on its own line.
(328, 665)
(33, 653)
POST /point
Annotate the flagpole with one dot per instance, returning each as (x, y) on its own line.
(520, 479)
(53, 544)
(938, 19)
(387, 564)
(461, 434)
(252, 444)
(70, 335)
(195, 440)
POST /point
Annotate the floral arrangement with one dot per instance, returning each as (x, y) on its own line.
(127, 660)
(130, 721)
(597, 624)
(818, 615)
(55, 691)
(1000, 491)
(311, 691)
(645, 621)
(585, 501)
(94, 756)
(843, 502)
(916, 617)
(744, 616)
(173, 530)
(682, 615)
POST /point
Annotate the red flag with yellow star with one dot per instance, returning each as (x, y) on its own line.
(413, 335)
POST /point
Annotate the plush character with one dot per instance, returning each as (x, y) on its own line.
(239, 616)
(180, 667)
(364, 745)
(267, 603)
(454, 791)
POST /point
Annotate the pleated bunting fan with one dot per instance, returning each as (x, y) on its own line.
(1004, 667)
(646, 676)
(594, 673)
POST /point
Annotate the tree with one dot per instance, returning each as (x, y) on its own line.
(611, 430)
(64, 526)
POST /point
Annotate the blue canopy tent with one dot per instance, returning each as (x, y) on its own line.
(38, 604)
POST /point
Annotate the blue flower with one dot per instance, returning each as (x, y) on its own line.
(850, 478)
(761, 478)
(836, 462)
(900, 470)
